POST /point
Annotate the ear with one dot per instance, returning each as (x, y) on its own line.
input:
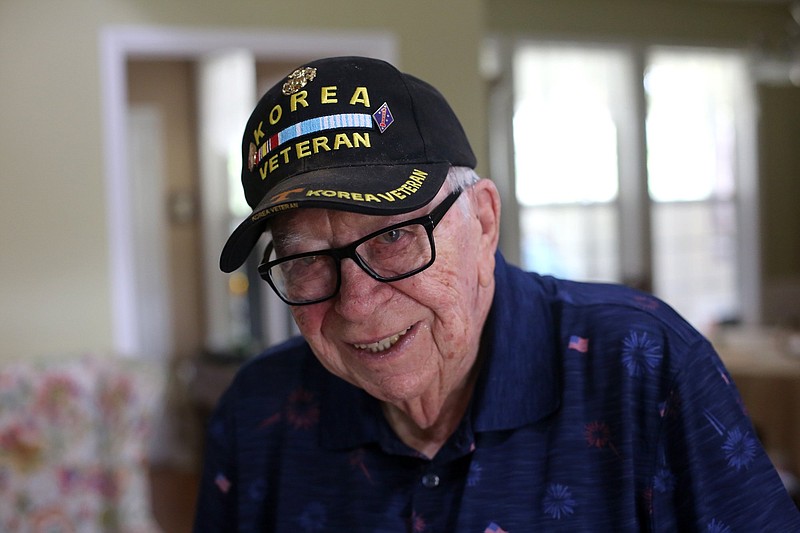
(486, 208)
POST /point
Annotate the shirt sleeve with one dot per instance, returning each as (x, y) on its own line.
(217, 498)
(712, 473)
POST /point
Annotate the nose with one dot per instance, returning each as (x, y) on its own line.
(359, 295)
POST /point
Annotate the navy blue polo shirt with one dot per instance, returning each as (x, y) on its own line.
(598, 409)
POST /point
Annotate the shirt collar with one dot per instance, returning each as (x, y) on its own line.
(520, 382)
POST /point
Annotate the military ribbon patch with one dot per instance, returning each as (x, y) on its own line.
(312, 125)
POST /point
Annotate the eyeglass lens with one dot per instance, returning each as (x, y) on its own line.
(391, 255)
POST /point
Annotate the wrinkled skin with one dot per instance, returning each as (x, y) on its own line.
(425, 379)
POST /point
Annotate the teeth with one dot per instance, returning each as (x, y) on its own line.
(383, 344)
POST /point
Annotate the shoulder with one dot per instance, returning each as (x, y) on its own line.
(607, 306)
(619, 312)
(605, 319)
(622, 330)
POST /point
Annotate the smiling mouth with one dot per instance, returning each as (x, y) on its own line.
(383, 344)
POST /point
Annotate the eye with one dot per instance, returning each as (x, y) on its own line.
(302, 266)
(391, 236)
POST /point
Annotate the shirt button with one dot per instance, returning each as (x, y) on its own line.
(430, 480)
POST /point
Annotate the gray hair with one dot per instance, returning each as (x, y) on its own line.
(461, 178)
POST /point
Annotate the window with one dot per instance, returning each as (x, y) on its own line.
(577, 111)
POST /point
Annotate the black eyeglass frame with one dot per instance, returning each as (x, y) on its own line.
(429, 222)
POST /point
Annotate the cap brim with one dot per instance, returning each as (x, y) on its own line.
(370, 190)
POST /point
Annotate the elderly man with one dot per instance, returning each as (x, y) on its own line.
(435, 387)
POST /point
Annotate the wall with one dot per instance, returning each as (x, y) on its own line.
(55, 255)
(670, 21)
(779, 145)
(780, 179)
(53, 260)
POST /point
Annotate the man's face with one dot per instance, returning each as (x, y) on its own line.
(410, 340)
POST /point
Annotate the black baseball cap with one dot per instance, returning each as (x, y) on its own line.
(346, 133)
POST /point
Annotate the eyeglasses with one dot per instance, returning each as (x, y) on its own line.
(389, 254)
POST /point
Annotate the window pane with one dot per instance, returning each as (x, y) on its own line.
(691, 142)
(566, 167)
(571, 241)
(695, 259)
(690, 124)
(562, 108)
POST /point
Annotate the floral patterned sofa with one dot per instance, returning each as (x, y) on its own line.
(74, 439)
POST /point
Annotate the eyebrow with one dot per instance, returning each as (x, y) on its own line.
(287, 241)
